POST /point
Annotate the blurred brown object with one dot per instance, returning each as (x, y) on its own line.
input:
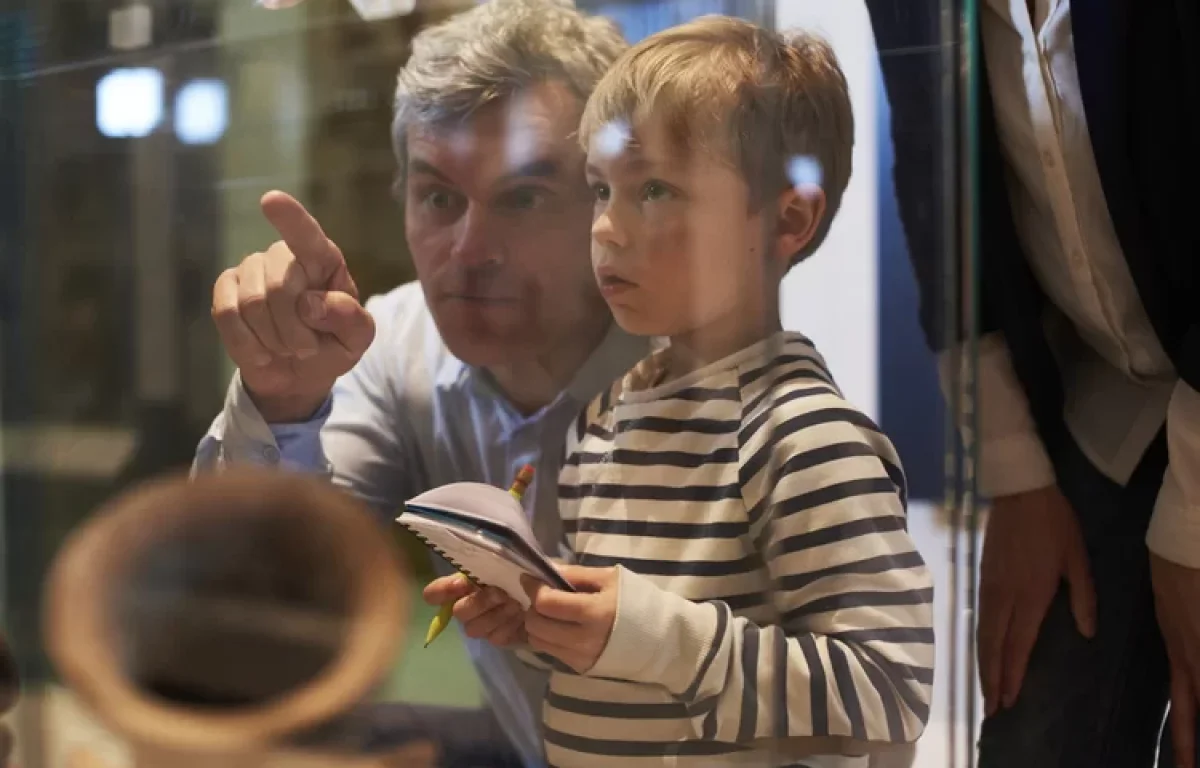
(10, 688)
(235, 620)
(10, 680)
(416, 755)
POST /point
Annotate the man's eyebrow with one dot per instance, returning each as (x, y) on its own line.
(540, 168)
(418, 165)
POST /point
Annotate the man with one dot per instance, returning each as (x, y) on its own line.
(1089, 362)
(480, 367)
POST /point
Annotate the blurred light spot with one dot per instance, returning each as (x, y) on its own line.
(201, 111)
(369, 10)
(130, 27)
(129, 102)
(612, 138)
(804, 171)
(374, 10)
(520, 138)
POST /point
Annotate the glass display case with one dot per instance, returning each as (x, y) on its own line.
(137, 138)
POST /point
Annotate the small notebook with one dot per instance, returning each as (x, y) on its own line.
(481, 530)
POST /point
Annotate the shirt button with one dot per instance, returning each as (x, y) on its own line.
(271, 454)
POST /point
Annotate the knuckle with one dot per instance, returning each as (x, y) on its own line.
(294, 278)
(254, 303)
(223, 313)
(278, 286)
(252, 262)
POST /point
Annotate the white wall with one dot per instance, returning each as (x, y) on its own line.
(832, 297)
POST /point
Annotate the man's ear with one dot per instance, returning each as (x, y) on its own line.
(799, 213)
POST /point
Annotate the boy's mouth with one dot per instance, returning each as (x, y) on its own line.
(612, 285)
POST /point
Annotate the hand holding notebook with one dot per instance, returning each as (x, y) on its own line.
(483, 532)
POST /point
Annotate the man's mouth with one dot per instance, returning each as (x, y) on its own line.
(480, 298)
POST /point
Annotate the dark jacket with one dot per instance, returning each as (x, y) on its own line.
(1139, 73)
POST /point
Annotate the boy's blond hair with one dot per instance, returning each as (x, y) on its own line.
(768, 103)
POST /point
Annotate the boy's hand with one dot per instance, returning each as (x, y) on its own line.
(486, 614)
(573, 627)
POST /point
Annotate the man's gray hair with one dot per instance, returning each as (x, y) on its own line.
(493, 51)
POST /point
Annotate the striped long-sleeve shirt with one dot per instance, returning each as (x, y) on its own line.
(772, 605)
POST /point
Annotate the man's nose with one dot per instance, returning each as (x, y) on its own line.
(475, 241)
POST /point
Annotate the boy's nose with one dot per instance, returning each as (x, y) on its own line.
(606, 232)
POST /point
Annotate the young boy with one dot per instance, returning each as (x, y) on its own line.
(749, 594)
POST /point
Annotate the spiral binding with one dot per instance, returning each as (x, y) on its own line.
(441, 553)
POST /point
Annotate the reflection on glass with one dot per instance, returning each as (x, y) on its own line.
(137, 140)
(129, 102)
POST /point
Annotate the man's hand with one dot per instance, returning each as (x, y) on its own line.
(290, 317)
(573, 627)
(1032, 544)
(1177, 603)
(486, 614)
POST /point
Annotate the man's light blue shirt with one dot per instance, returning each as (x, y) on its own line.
(410, 417)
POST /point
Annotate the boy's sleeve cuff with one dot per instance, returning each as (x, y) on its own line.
(657, 637)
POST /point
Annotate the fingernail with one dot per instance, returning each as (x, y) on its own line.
(316, 307)
(305, 354)
(263, 360)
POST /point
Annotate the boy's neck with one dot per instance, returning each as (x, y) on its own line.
(719, 339)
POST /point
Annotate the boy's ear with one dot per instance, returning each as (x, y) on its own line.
(800, 212)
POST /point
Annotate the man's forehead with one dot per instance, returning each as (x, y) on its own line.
(527, 128)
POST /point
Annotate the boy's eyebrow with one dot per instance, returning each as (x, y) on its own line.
(632, 162)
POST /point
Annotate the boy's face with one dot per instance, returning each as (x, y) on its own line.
(675, 247)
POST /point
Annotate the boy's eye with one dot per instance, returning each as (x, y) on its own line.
(601, 192)
(654, 191)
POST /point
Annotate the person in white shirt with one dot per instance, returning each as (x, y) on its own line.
(477, 369)
(1089, 363)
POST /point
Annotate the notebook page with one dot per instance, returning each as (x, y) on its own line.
(485, 560)
(480, 501)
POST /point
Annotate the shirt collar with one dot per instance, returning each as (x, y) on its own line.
(616, 353)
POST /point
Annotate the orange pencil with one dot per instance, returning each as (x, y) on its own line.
(521, 482)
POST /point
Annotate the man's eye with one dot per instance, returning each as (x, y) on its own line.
(523, 198)
(601, 192)
(438, 199)
(654, 191)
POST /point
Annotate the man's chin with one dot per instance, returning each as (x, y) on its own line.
(484, 347)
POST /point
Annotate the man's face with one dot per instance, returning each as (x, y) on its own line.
(498, 213)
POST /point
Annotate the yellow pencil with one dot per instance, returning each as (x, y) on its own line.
(446, 613)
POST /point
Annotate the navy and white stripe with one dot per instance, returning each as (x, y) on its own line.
(772, 602)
